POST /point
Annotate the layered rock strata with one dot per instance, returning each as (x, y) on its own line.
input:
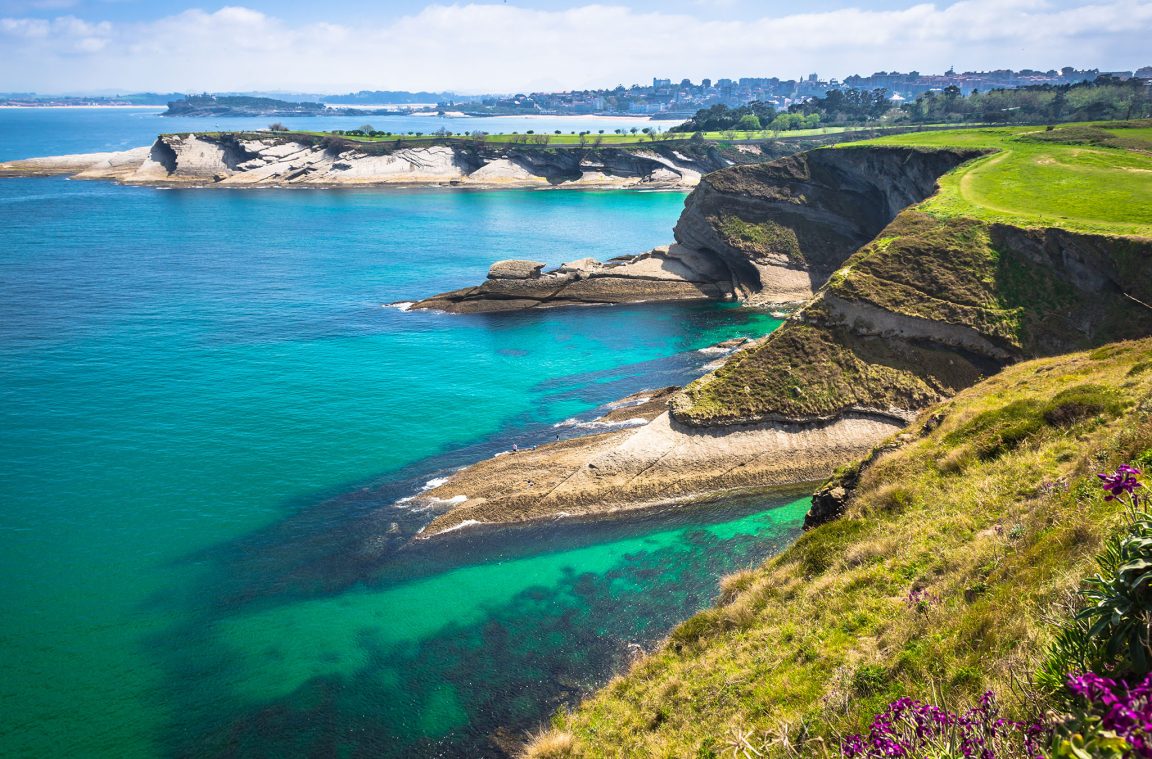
(652, 460)
(247, 160)
(786, 225)
(773, 232)
(664, 274)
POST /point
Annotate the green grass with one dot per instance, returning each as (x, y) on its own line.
(1086, 177)
(822, 635)
(801, 372)
(568, 139)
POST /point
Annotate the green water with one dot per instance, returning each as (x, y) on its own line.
(207, 418)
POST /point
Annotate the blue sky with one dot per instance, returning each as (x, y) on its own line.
(79, 45)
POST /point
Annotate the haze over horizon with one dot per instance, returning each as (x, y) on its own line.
(59, 46)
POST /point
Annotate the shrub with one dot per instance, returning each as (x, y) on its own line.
(1079, 403)
(998, 431)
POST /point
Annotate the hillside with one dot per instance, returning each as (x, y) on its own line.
(948, 573)
(1081, 177)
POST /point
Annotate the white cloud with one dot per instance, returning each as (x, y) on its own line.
(490, 47)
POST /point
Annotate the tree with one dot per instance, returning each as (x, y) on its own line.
(748, 123)
(277, 126)
(366, 128)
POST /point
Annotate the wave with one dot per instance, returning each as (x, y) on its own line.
(596, 424)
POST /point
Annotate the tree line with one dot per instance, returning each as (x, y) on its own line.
(1105, 98)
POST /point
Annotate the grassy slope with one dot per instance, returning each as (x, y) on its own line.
(823, 634)
(1032, 182)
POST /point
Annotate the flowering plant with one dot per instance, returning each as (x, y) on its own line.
(1112, 719)
(1118, 614)
(911, 728)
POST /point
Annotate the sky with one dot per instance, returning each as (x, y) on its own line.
(72, 46)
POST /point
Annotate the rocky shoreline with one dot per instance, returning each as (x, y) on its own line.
(670, 273)
(270, 160)
(637, 456)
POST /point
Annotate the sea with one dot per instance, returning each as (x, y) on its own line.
(213, 413)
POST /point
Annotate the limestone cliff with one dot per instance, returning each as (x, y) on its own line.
(910, 308)
(788, 224)
(300, 160)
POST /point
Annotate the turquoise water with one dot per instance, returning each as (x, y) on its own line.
(207, 417)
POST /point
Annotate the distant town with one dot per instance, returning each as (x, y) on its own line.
(662, 99)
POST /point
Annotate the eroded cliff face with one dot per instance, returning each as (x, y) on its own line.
(928, 308)
(259, 159)
(788, 224)
(910, 309)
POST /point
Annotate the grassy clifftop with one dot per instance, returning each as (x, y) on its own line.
(948, 572)
(1087, 178)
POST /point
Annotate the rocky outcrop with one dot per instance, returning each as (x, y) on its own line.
(648, 460)
(912, 308)
(263, 159)
(664, 274)
(768, 233)
(786, 225)
(85, 165)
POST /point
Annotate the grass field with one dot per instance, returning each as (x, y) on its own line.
(1091, 178)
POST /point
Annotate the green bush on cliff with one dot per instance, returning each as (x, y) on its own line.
(760, 237)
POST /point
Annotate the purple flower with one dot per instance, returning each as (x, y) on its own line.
(911, 728)
(1122, 481)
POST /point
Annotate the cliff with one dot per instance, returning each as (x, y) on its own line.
(768, 233)
(788, 224)
(310, 159)
(928, 308)
(304, 160)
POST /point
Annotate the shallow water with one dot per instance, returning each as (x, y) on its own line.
(207, 417)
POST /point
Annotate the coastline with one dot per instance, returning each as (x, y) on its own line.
(231, 160)
(636, 457)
